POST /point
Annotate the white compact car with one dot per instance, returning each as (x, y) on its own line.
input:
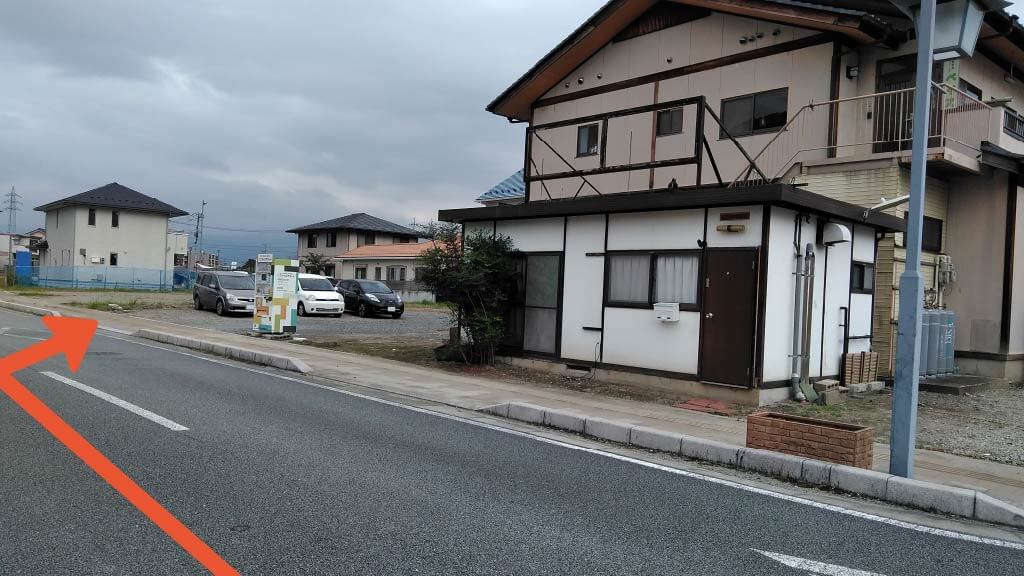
(317, 296)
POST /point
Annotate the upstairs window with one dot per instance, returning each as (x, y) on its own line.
(332, 239)
(862, 279)
(670, 122)
(364, 239)
(931, 234)
(311, 240)
(755, 113)
(969, 89)
(115, 216)
(92, 216)
(586, 140)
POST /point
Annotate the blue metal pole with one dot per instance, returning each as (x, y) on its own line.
(904, 402)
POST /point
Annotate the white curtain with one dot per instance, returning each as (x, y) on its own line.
(676, 278)
(629, 278)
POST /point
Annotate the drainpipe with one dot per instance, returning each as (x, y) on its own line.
(798, 276)
(805, 359)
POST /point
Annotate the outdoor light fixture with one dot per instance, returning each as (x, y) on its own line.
(852, 72)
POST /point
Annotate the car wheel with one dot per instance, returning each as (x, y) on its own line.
(396, 316)
(221, 311)
(196, 303)
(302, 309)
(363, 311)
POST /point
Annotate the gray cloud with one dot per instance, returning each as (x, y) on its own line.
(276, 113)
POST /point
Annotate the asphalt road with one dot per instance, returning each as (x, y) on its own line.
(281, 477)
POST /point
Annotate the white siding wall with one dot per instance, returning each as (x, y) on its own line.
(537, 235)
(60, 236)
(831, 291)
(583, 288)
(634, 337)
(140, 240)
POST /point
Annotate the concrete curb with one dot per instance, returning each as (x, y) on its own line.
(28, 309)
(234, 352)
(912, 493)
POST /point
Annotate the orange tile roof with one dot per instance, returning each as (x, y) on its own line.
(389, 250)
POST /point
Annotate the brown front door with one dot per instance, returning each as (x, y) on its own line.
(727, 325)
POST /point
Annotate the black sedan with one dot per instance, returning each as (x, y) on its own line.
(370, 297)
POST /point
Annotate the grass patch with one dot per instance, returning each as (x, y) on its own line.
(129, 305)
(412, 352)
(426, 305)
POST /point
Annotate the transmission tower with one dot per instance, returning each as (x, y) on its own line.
(12, 203)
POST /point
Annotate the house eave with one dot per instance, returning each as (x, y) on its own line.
(784, 195)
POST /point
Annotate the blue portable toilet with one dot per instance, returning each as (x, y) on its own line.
(23, 266)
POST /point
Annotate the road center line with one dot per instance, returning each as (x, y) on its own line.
(118, 402)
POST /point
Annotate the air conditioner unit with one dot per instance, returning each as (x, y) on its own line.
(667, 311)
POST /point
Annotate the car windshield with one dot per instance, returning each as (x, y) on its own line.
(236, 282)
(374, 287)
(316, 285)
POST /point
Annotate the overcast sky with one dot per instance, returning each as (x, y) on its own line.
(276, 113)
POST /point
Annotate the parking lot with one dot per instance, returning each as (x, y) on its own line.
(422, 325)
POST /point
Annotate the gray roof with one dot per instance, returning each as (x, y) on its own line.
(360, 221)
(115, 195)
(511, 187)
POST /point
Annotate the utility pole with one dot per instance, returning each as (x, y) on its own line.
(908, 353)
(197, 238)
(12, 203)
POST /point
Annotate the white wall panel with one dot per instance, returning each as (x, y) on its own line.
(751, 235)
(634, 337)
(668, 230)
(536, 235)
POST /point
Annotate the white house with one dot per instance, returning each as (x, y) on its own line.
(111, 235)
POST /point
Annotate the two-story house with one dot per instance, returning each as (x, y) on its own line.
(111, 235)
(333, 238)
(671, 146)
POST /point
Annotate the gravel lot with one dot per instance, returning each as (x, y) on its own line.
(427, 325)
(985, 424)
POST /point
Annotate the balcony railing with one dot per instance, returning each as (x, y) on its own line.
(872, 124)
(1013, 124)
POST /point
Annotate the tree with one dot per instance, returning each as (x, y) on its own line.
(314, 263)
(476, 278)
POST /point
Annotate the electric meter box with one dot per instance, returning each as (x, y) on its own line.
(667, 311)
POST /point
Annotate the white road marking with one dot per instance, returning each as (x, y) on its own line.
(813, 567)
(118, 402)
(720, 481)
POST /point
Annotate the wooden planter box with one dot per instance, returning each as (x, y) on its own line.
(821, 439)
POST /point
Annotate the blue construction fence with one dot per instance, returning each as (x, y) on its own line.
(89, 277)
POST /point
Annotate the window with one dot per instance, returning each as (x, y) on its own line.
(114, 218)
(311, 240)
(862, 278)
(629, 279)
(332, 239)
(586, 140)
(92, 216)
(755, 113)
(396, 273)
(640, 280)
(376, 273)
(361, 273)
(969, 89)
(931, 234)
(670, 122)
(113, 258)
(367, 238)
(403, 240)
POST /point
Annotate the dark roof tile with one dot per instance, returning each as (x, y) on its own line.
(360, 221)
(115, 195)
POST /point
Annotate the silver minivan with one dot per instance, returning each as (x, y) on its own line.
(224, 291)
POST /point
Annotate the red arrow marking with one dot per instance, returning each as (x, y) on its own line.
(72, 336)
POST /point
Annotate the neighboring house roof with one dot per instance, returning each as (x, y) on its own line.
(507, 189)
(360, 221)
(115, 195)
(864, 21)
(387, 251)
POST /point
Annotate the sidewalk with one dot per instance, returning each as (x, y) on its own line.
(1000, 481)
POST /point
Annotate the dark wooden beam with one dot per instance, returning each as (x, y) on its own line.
(754, 54)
